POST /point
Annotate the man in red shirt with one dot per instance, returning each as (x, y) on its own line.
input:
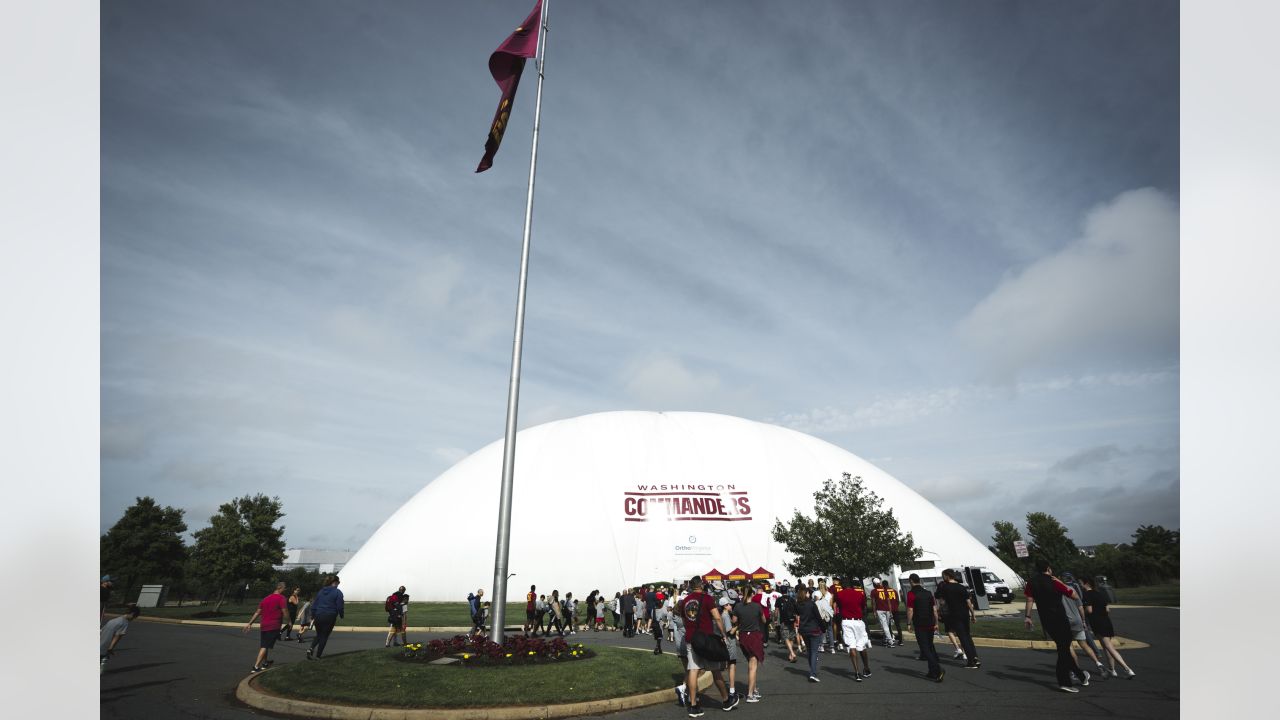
(851, 603)
(272, 609)
(701, 617)
(531, 610)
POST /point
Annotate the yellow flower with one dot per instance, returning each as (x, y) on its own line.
(508, 654)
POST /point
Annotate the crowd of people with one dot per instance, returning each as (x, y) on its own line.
(717, 625)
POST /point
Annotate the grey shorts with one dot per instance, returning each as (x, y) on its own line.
(788, 631)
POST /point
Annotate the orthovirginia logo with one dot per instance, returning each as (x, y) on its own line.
(724, 503)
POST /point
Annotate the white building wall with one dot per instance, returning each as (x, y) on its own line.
(576, 482)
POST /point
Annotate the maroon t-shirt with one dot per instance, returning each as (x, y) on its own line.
(273, 608)
(851, 602)
(696, 611)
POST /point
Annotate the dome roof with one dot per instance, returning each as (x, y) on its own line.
(611, 500)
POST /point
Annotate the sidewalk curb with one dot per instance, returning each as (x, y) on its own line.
(249, 694)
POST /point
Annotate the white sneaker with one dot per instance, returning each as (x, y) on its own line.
(1085, 680)
(1068, 688)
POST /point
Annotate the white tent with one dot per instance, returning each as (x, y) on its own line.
(610, 500)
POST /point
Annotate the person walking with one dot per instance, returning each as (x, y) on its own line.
(837, 620)
(477, 612)
(104, 597)
(555, 613)
(893, 609)
(395, 607)
(701, 618)
(749, 615)
(304, 619)
(531, 611)
(808, 625)
(730, 632)
(628, 604)
(325, 611)
(110, 633)
(571, 613)
(922, 617)
(959, 614)
(880, 599)
(822, 598)
(1080, 630)
(615, 607)
(1095, 608)
(850, 603)
(544, 608)
(292, 607)
(1046, 592)
(272, 610)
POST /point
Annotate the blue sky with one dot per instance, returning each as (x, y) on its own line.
(943, 236)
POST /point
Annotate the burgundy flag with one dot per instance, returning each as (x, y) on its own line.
(506, 64)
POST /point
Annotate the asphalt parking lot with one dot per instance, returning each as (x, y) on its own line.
(182, 671)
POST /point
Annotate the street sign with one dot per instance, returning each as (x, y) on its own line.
(1020, 548)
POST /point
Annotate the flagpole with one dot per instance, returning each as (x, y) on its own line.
(513, 394)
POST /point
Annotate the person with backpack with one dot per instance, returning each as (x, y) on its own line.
(785, 608)
(701, 618)
(555, 613)
(477, 611)
(395, 607)
(922, 616)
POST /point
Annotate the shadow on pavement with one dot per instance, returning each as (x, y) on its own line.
(135, 686)
(131, 668)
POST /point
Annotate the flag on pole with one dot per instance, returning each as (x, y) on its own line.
(506, 64)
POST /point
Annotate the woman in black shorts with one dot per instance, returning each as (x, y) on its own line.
(1095, 609)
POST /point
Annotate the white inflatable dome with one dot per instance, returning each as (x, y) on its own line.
(614, 499)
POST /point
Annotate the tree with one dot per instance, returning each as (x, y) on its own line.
(1159, 545)
(1049, 541)
(1006, 534)
(145, 545)
(848, 533)
(241, 544)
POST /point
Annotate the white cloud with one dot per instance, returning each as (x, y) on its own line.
(665, 381)
(882, 412)
(1111, 292)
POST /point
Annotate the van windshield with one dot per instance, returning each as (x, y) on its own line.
(990, 578)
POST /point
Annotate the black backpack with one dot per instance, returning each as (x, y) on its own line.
(786, 609)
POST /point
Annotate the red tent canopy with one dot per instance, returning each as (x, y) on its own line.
(713, 575)
(761, 574)
(738, 574)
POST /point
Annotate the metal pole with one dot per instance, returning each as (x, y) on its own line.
(499, 600)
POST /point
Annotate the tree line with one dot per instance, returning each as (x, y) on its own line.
(1151, 558)
(241, 546)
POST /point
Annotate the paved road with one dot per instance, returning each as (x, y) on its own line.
(171, 671)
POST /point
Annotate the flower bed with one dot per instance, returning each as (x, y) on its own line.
(481, 651)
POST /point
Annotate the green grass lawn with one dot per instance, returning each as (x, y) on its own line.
(1167, 595)
(375, 677)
